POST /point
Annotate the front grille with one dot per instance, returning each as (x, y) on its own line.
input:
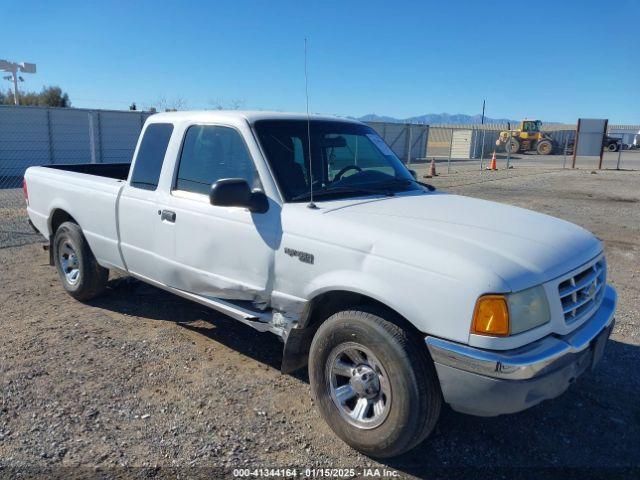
(582, 294)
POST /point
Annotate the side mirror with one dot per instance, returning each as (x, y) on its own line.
(235, 192)
(414, 174)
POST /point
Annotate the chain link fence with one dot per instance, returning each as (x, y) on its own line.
(474, 146)
(407, 140)
(44, 136)
(466, 148)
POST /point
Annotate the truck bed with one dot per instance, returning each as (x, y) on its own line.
(87, 192)
(118, 171)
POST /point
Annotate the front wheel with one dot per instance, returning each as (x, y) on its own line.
(512, 146)
(374, 383)
(77, 267)
(613, 147)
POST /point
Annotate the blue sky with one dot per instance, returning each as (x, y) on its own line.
(553, 60)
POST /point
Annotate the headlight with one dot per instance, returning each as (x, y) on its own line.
(502, 315)
(528, 309)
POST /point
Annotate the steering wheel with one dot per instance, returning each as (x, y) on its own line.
(345, 170)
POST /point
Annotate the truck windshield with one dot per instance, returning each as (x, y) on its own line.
(348, 159)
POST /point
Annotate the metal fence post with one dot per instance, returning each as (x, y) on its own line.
(474, 148)
(409, 146)
(482, 150)
(100, 149)
(52, 159)
(450, 149)
(602, 139)
(620, 152)
(426, 141)
(509, 151)
(92, 138)
(576, 141)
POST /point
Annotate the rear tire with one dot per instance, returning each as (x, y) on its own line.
(613, 147)
(77, 267)
(392, 375)
(544, 147)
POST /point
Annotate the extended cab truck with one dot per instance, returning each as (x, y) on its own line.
(396, 296)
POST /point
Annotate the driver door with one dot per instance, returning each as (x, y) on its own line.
(212, 251)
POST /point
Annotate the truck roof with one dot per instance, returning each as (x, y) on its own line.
(248, 115)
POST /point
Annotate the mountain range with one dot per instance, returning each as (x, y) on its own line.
(435, 119)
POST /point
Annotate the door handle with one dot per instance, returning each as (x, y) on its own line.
(168, 215)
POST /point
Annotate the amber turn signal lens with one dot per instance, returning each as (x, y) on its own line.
(491, 316)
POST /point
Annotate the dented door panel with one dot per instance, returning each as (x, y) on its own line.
(220, 252)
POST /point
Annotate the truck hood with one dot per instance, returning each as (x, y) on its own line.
(448, 233)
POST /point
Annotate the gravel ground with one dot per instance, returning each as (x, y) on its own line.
(139, 378)
(14, 229)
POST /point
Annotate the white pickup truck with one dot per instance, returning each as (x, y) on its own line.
(396, 296)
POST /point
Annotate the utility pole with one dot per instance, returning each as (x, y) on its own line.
(482, 119)
(13, 68)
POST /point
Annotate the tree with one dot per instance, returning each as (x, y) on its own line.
(221, 104)
(162, 104)
(51, 96)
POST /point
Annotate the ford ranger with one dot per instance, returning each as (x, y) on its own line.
(396, 296)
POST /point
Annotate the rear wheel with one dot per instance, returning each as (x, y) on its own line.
(374, 383)
(544, 147)
(613, 147)
(77, 267)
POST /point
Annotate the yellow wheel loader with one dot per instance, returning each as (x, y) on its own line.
(527, 137)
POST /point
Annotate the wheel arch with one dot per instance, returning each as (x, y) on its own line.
(57, 217)
(326, 303)
(322, 306)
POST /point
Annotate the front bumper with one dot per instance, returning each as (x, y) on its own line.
(489, 382)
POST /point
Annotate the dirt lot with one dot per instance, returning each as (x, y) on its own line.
(140, 378)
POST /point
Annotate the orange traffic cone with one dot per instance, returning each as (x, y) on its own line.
(493, 165)
(432, 168)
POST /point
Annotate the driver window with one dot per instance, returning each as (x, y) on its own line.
(211, 153)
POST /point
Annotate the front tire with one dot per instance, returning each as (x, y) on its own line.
(515, 146)
(77, 267)
(374, 383)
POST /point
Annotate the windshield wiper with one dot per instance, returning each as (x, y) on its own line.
(333, 190)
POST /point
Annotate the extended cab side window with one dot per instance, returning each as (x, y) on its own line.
(146, 170)
(211, 153)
